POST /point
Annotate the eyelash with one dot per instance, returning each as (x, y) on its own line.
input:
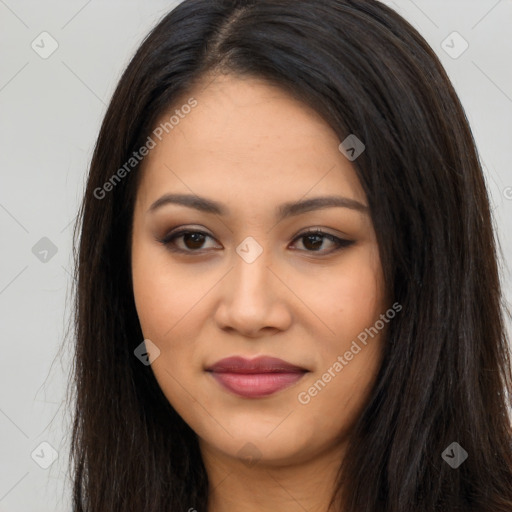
(341, 243)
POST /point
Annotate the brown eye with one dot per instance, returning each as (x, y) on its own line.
(191, 241)
(314, 240)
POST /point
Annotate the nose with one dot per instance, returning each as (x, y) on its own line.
(253, 299)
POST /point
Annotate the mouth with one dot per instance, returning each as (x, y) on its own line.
(255, 378)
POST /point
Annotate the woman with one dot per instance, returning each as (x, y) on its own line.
(288, 294)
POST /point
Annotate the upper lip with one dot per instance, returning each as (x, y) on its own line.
(262, 364)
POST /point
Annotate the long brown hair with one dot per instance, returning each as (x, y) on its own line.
(446, 374)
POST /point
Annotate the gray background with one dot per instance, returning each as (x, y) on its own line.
(50, 113)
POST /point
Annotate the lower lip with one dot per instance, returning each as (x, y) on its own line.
(256, 385)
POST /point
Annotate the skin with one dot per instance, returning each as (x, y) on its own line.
(252, 147)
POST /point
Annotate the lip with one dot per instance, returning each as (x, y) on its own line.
(255, 378)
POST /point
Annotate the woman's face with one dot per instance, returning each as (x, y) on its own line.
(251, 282)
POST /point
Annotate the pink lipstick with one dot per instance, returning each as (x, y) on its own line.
(255, 378)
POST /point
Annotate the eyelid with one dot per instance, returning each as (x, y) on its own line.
(340, 241)
(321, 231)
(176, 233)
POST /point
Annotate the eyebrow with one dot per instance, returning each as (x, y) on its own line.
(285, 210)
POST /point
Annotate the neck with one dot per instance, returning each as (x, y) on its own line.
(261, 486)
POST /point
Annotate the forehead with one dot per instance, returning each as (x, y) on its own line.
(248, 138)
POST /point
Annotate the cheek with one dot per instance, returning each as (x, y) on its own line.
(353, 303)
(353, 296)
(154, 306)
(164, 293)
(166, 299)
